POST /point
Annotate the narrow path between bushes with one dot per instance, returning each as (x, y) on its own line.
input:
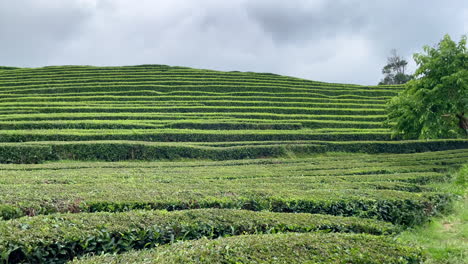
(445, 239)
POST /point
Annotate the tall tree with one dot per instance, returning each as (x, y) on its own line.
(435, 103)
(395, 69)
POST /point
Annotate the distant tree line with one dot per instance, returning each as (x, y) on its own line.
(395, 69)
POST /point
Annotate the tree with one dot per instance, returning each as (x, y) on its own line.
(395, 70)
(434, 104)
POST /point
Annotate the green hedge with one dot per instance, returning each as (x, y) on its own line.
(181, 81)
(57, 238)
(409, 146)
(186, 135)
(215, 102)
(8, 68)
(184, 123)
(275, 248)
(374, 186)
(108, 151)
(122, 150)
(203, 109)
(26, 154)
(397, 207)
(184, 116)
(404, 212)
(85, 124)
(136, 124)
(89, 97)
(233, 125)
(170, 87)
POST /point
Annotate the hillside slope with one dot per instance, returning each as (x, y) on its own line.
(329, 207)
(162, 112)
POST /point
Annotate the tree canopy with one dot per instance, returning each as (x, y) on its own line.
(434, 103)
(394, 71)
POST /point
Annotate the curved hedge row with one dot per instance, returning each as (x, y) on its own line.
(188, 135)
(205, 124)
(200, 109)
(128, 150)
(57, 238)
(190, 88)
(127, 98)
(225, 103)
(259, 117)
(404, 207)
(277, 248)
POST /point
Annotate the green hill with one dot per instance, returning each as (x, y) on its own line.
(180, 165)
(162, 112)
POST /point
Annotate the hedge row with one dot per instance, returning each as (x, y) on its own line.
(213, 124)
(410, 146)
(225, 103)
(405, 212)
(117, 150)
(24, 74)
(258, 117)
(334, 184)
(372, 147)
(175, 81)
(26, 154)
(179, 135)
(290, 248)
(202, 109)
(152, 71)
(108, 151)
(398, 207)
(142, 75)
(61, 237)
(84, 124)
(182, 82)
(192, 88)
(336, 164)
(262, 124)
(152, 93)
(234, 125)
(113, 74)
(163, 98)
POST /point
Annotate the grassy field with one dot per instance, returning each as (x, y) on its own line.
(445, 238)
(180, 165)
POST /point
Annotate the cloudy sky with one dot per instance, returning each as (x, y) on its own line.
(327, 40)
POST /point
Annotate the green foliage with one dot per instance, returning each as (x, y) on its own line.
(434, 104)
(8, 68)
(61, 237)
(26, 153)
(276, 248)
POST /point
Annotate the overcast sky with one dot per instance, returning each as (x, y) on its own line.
(327, 40)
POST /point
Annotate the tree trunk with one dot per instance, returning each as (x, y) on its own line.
(463, 122)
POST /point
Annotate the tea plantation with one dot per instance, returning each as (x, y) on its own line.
(159, 164)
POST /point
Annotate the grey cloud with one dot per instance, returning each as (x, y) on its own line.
(31, 31)
(337, 41)
(298, 21)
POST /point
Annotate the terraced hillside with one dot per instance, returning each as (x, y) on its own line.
(161, 112)
(115, 207)
(179, 165)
